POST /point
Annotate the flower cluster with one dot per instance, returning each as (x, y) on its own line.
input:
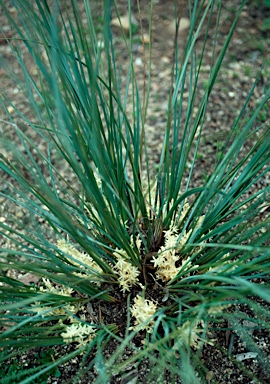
(128, 274)
(168, 263)
(189, 334)
(57, 290)
(79, 333)
(88, 266)
(143, 310)
(166, 259)
(58, 310)
(75, 331)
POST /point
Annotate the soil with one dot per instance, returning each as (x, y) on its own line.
(248, 51)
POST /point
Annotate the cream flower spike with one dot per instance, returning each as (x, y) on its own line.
(143, 310)
(128, 274)
(79, 333)
(81, 260)
(190, 335)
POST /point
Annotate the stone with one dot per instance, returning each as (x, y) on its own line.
(124, 22)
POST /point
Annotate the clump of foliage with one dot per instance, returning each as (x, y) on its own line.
(103, 232)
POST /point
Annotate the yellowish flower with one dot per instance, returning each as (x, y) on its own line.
(143, 310)
(190, 335)
(165, 263)
(217, 309)
(39, 309)
(128, 274)
(169, 254)
(79, 333)
(57, 290)
(186, 265)
(82, 260)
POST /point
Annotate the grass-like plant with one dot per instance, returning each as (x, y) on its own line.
(123, 253)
